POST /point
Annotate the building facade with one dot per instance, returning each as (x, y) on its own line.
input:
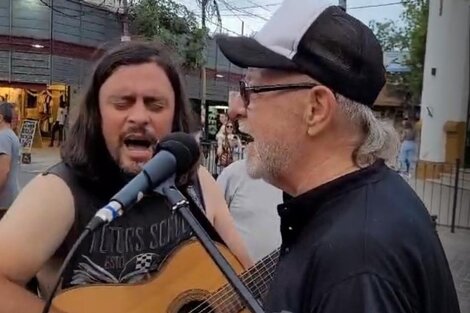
(47, 49)
(46, 52)
(445, 98)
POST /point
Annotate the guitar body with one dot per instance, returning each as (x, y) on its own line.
(185, 279)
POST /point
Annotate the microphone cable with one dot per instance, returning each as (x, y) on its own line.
(88, 229)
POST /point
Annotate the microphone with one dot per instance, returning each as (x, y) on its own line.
(176, 154)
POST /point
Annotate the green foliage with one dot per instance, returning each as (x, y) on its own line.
(416, 15)
(410, 38)
(173, 25)
(390, 35)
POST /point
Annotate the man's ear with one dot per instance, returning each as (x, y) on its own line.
(319, 109)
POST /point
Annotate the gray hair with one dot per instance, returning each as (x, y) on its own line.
(380, 140)
(7, 111)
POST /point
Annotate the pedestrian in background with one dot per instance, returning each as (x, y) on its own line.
(9, 158)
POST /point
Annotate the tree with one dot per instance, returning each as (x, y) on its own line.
(173, 25)
(209, 8)
(416, 16)
(389, 34)
(410, 38)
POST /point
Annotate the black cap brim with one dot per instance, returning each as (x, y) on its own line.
(246, 52)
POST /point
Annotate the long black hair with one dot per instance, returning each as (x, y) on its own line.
(84, 149)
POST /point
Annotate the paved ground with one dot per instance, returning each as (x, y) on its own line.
(41, 159)
(456, 245)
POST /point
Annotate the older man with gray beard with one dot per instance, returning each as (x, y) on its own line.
(355, 237)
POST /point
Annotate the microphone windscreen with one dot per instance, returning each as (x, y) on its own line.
(185, 149)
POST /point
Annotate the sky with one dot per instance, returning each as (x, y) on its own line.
(254, 13)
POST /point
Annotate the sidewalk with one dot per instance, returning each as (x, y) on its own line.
(41, 159)
(457, 248)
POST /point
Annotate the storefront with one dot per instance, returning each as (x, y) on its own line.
(38, 103)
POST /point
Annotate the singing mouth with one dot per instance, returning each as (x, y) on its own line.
(242, 129)
(248, 138)
(138, 142)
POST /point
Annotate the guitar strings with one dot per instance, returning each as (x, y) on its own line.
(254, 273)
(262, 290)
(233, 295)
(220, 298)
(221, 294)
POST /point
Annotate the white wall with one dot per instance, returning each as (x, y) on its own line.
(445, 95)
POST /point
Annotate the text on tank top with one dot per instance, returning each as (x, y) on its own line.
(131, 247)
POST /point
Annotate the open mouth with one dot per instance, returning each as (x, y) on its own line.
(246, 137)
(138, 143)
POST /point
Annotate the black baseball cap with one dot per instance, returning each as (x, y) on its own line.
(320, 40)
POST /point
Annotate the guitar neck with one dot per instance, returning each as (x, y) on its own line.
(257, 279)
(259, 276)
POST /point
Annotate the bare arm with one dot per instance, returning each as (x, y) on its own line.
(220, 141)
(219, 215)
(30, 232)
(5, 160)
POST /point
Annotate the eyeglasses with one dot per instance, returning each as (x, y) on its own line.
(246, 90)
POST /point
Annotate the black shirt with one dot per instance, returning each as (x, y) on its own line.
(361, 243)
(131, 247)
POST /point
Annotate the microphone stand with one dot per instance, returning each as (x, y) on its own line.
(180, 204)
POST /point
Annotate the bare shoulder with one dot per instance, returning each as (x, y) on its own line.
(35, 226)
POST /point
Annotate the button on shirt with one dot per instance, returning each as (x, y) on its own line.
(361, 243)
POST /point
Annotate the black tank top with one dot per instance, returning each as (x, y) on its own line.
(131, 247)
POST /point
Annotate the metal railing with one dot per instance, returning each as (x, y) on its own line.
(445, 190)
(209, 157)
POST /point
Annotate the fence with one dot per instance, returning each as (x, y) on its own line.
(209, 151)
(445, 190)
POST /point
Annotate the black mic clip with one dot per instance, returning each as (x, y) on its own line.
(168, 189)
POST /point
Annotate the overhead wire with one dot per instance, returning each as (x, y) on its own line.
(240, 11)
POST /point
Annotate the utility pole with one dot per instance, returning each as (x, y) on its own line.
(125, 21)
(203, 76)
(342, 3)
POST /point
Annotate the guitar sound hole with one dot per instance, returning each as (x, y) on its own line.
(202, 307)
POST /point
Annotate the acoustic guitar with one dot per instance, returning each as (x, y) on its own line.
(188, 281)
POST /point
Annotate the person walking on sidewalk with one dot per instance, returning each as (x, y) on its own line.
(407, 155)
(355, 236)
(58, 126)
(10, 149)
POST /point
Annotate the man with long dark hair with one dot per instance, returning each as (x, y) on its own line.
(135, 97)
